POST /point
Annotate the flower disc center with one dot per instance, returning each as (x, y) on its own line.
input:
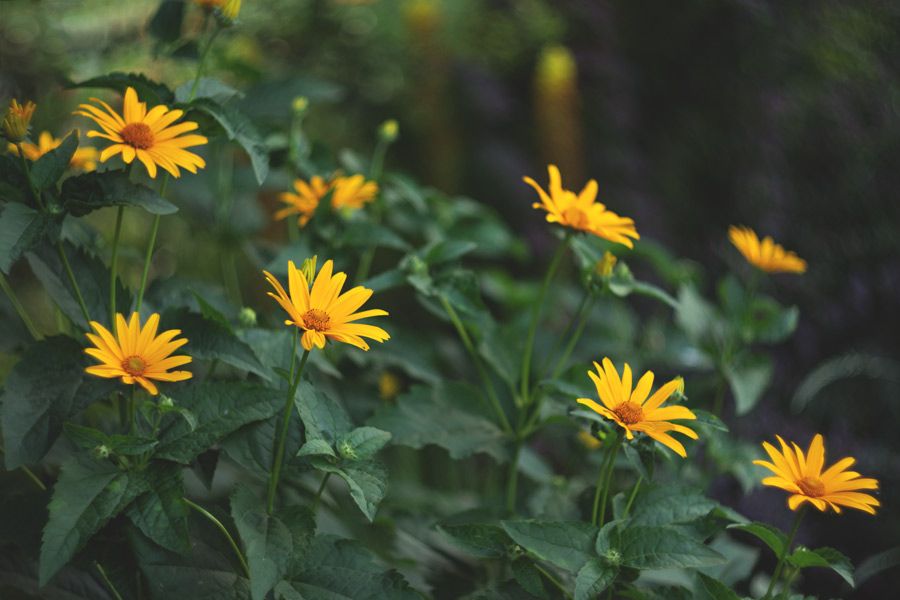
(137, 135)
(811, 487)
(316, 319)
(629, 413)
(134, 365)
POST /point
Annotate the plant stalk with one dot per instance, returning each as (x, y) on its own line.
(114, 266)
(598, 515)
(776, 575)
(221, 528)
(74, 282)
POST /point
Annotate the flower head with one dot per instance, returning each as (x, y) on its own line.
(589, 440)
(150, 136)
(766, 254)
(633, 411)
(17, 120)
(581, 211)
(137, 354)
(323, 312)
(802, 475)
(352, 192)
(347, 193)
(84, 159)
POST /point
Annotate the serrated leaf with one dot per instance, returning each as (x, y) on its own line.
(197, 583)
(47, 169)
(770, 536)
(712, 589)
(89, 438)
(211, 340)
(322, 416)
(220, 409)
(362, 443)
(253, 445)
(21, 229)
(268, 543)
(237, 127)
(566, 544)
(161, 512)
(593, 578)
(148, 91)
(823, 557)
(83, 194)
(366, 479)
(663, 548)
(316, 448)
(483, 540)
(669, 505)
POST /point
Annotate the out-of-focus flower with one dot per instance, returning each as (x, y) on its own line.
(84, 159)
(322, 312)
(766, 254)
(150, 136)
(589, 440)
(556, 68)
(300, 104)
(581, 211)
(17, 120)
(389, 130)
(352, 192)
(347, 193)
(137, 354)
(802, 475)
(633, 411)
(388, 385)
(231, 9)
(604, 266)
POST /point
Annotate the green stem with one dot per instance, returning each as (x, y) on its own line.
(285, 421)
(479, 366)
(114, 266)
(605, 480)
(581, 323)
(106, 580)
(633, 494)
(776, 575)
(131, 413)
(29, 473)
(201, 62)
(150, 246)
(536, 314)
(74, 282)
(319, 492)
(20, 310)
(221, 528)
(34, 191)
(512, 479)
(553, 580)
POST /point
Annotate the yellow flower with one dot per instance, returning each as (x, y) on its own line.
(231, 9)
(84, 159)
(137, 354)
(802, 475)
(17, 120)
(151, 136)
(323, 311)
(588, 440)
(765, 254)
(632, 411)
(388, 385)
(348, 193)
(604, 266)
(581, 211)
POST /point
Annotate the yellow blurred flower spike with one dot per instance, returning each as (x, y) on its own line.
(766, 254)
(137, 354)
(801, 474)
(581, 211)
(322, 312)
(84, 159)
(17, 120)
(150, 136)
(633, 411)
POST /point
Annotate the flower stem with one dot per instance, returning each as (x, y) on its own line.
(285, 421)
(202, 61)
(151, 245)
(221, 528)
(20, 310)
(535, 317)
(114, 265)
(74, 282)
(776, 575)
(29, 473)
(106, 580)
(34, 191)
(319, 492)
(553, 580)
(512, 479)
(633, 494)
(580, 324)
(598, 515)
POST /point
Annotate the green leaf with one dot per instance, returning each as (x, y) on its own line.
(220, 408)
(748, 380)
(147, 90)
(771, 323)
(197, 583)
(694, 314)
(237, 127)
(527, 575)
(208, 87)
(480, 539)
(268, 543)
(446, 251)
(322, 416)
(47, 170)
(21, 229)
(336, 569)
(593, 578)
(770, 536)
(712, 589)
(316, 448)
(366, 479)
(13, 184)
(86, 496)
(662, 548)
(877, 563)
(823, 557)
(86, 193)
(166, 22)
(425, 416)
(710, 420)
(362, 443)
(89, 438)
(161, 512)
(364, 234)
(253, 445)
(669, 505)
(34, 406)
(566, 544)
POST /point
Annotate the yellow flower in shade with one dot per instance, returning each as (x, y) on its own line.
(388, 385)
(17, 120)
(581, 211)
(323, 312)
(765, 254)
(305, 201)
(633, 411)
(150, 136)
(802, 475)
(84, 159)
(588, 440)
(137, 354)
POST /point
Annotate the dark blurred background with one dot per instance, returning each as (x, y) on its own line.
(783, 116)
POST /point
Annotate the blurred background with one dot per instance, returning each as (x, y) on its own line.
(692, 116)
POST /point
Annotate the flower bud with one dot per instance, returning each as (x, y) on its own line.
(102, 451)
(613, 557)
(388, 385)
(247, 317)
(346, 450)
(604, 266)
(299, 105)
(389, 130)
(17, 120)
(166, 402)
(308, 268)
(230, 10)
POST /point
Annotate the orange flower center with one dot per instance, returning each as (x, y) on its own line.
(811, 487)
(137, 135)
(629, 413)
(134, 365)
(316, 319)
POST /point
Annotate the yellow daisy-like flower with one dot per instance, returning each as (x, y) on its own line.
(802, 475)
(17, 120)
(150, 136)
(766, 254)
(352, 192)
(347, 193)
(633, 411)
(581, 211)
(137, 354)
(84, 158)
(323, 312)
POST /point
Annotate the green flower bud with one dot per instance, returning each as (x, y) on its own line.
(247, 317)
